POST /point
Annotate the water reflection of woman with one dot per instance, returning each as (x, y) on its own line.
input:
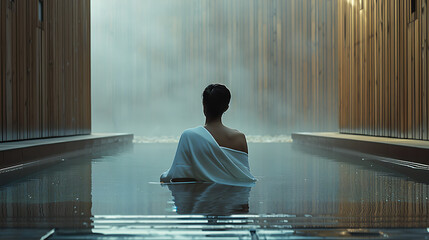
(210, 199)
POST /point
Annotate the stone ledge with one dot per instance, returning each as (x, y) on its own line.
(416, 151)
(35, 153)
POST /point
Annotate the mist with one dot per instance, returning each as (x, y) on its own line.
(151, 61)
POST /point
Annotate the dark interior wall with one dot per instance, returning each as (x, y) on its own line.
(44, 68)
(383, 70)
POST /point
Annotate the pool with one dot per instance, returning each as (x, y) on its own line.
(297, 188)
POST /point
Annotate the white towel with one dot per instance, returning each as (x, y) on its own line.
(199, 156)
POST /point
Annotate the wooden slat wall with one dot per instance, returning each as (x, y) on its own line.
(279, 58)
(383, 71)
(45, 69)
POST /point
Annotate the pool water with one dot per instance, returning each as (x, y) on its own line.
(297, 187)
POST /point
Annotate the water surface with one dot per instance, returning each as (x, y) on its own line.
(297, 187)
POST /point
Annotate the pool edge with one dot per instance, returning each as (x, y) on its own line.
(414, 151)
(30, 153)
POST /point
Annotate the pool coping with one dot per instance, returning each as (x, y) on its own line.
(402, 150)
(18, 155)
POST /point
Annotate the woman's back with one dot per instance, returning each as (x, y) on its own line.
(213, 153)
(227, 137)
(200, 158)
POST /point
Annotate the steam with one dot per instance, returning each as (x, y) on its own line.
(151, 61)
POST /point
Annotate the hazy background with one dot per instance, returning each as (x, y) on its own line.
(151, 60)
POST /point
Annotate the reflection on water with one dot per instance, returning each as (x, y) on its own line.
(210, 198)
(302, 187)
(56, 197)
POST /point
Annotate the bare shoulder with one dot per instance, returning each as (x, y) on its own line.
(234, 133)
(237, 134)
(238, 139)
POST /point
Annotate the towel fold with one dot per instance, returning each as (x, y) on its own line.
(199, 156)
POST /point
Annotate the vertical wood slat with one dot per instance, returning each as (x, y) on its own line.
(14, 84)
(410, 79)
(44, 81)
(61, 67)
(52, 66)
(424, 68)
(67, 41)
(87, 63)
(2, 65)
(402, 72)
(394, 55)
(32, 64)
(22, 70)
(393, 75)
(34, 71)
(35, 68)
(10, 57)
(76, 68)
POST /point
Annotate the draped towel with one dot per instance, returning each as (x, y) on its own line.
(199, 156)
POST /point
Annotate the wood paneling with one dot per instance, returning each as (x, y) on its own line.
(278, 57)
(45, 69)
(383, 70)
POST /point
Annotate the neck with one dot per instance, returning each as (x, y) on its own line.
(213, 121)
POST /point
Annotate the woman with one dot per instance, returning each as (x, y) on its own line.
(213, 152)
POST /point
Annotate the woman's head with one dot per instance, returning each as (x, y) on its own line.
(216, 99)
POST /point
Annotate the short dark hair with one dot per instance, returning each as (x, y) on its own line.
(216, 99)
